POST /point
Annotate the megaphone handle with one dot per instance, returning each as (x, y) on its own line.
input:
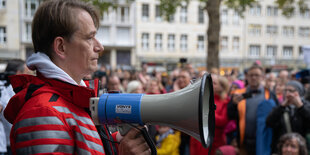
(124, 128)
(149, 141)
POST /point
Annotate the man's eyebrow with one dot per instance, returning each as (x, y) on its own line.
(92, 33)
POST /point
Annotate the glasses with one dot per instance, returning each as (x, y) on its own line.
(254, 75)
(289, 90)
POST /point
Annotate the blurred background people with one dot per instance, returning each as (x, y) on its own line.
(135, 87)
(292, 144)
(293, 115)
(220, 89)
(14, 67)
(114, 83)
(167, 141)
(243, 108)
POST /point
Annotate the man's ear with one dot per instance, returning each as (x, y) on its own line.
(59, 47)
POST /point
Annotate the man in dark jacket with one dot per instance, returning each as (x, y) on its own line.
(243, 108)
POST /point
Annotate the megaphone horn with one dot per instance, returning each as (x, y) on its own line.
(190, 110)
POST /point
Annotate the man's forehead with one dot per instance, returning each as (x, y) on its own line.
(255, 70)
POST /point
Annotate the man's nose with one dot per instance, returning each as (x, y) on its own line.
(98, 47)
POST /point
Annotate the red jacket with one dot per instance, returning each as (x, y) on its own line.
(221, 121)
(49, 116)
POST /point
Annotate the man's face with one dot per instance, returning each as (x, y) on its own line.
(82, 49)
(290, 93)
(114, 84)
(254, 77)
(183, 79)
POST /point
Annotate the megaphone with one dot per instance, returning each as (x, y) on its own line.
(190, 110)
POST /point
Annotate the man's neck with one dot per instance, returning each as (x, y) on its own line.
(254, 87)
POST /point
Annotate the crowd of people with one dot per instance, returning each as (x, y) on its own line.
(258, 113)
(253, 111)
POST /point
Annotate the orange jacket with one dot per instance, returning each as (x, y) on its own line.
(242, 112)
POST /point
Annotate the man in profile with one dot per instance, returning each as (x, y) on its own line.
(48, 111)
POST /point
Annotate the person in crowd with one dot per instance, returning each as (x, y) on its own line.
(14, 67)
(49, 111)
(243, 108)
(283, 76)
(292, 144)
(270, 81)
(237, 84)
(102, 77)
(154, 87)
(182, 80)
(135, 87)
(220, 89)
(227, 150)
(143, 75)
(279, 91)
(293, 115)
(126, 79)
(114, 83)
(168, 141)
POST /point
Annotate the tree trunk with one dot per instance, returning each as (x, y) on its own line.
(213, 33)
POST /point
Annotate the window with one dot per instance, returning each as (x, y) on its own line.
(236, 18)
(171, 18)
(158, 42)
(200, 43)
(301, 52)
(288, 31)
(305, 14)
(183, 14)
(255, 29)
(224, 17)
(272, 30)
(145, 12)
(103, 35)
(31, 6)
(183, 42)
(271, 51)
(255, 10)
(304, 32)
(254, 51)
(272, 11)
(28, 32)
(158, 14)
(123, 14)
(236, 44)
(2, 35)
(200, 15)
(224, 44)
(145, 41)
(123, 35)
(2, 4)
(171, 42)
(287, 51)
(106, 15)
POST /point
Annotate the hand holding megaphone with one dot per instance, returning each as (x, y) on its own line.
(133, 138)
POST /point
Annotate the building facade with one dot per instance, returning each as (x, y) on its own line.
(9, 29)
(263, 33)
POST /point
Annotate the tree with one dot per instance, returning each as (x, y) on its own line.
(212, 7)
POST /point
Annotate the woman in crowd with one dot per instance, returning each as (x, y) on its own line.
(292, 144)
(220, 88)
(293, 115)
